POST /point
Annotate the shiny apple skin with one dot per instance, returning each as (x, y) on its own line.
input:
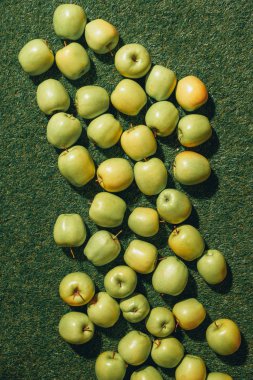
(189, 313)
(223, 336)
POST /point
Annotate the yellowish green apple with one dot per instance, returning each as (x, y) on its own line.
(69, 21)
(77, 289)
(212, 266)
(194, 130)
(120, 281)
(103, 310)
(73, 61)
(173, 206)
(150, 176)
(160, 322)
(69, 230)
(141, 256)
(76, 328)
(144, 221)
(135, 347)
(91, 101)
(223, 336)
(191, 168)
(101, 36)
(63, 130)
(36, 57)
(132, 61)
(191, 368)
(52, 97)
(147, 373)
(162, 117)
(110, 365)
(191, 93)
(135, 308)
(115, 174)
(167, 352)
(107, 210)
(218, 376)
(138, 142)
(104, 131)
(189, 313)
(160, 83)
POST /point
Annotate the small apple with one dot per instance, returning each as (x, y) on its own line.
(52, 96)
(103, 310)
(107, 210)
(120, 281)
(167, 352)
(76, 328)
(191, 93)
(135, 308)
(69, 21)
(76, 165)
(63, 130)
(189, 313)
(170, 276)
(115, 174)
(128, 97)
(132, 61)
(160, 83)
(194, 130)
(191, 168)
(173, 206)
(101, 36)
(150, 176)
(91, 101)
(110, 365)
(69, 230)
(212, 266)
(162, 117)
(138, 142)
(147, 373)
(141, 256)
(73, 61)
(144, 221)
(102, 248)
(223, 336)
(36, 57)
(218, 376)
(135, 347)
(76, 289)
(104, 131)
(160, 322)
(191, 368)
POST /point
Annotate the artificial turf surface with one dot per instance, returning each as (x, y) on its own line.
(210, 39)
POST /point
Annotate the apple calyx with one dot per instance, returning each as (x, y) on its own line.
(175, 231)
(86, 329)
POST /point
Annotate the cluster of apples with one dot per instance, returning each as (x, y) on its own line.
(107, 210)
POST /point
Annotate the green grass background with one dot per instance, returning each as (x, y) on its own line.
(210, 39)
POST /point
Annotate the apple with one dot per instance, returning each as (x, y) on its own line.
(141, 256)
(160, 83)
(160, 322)
(128, 97)
(115, 174)
(120, 281)
(52, 96)
(191, 368)
(223, 336)
(110, 365)
(69, 21)
(102, 248)
(162, 117)
(76, 165)
(107, 210)
(138, 142)
(36, 57)
(194, 130)
(69, 230)
(173, 206)
(101, 36)
(191, 168)
(63, 130)
(104, 131)
(150, 176)
(212, 266)
(91, 101)
(144, 221)
(135, 308)
(132, 61)
(147, 373)
(189, 313)
(103, 310)
(170, 276)
(186, 242)
(135, 347)
(191, 93)
(76, 328)
(167, 352)
(218, 376)
(73, 61)
(76, 289)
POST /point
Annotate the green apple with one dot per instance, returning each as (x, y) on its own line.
(194, 130)
(212, 266)
(160, 322)
(150, 176)
(69, 230)
(135, 308)
(147, 373)
(76, 328)
(162, 117)
(36, 57)
(138, 142)
(144, 221)
(102, 248)
(141, 256)
(104, 131)
(91, 101)
(191, 168)
(107, 210)
(186, 242)
(160, 83)
(69, 21)
(76, 165)
(173, 206)
(120, 281)
(218, 376)
(128, 97)
(170, 276)
(76, 289)
(103, 310)
(189, 313)
(223, 336)
(101, 36)
(135, 347)
(110, 365)
(167, 352)
(191, 368)
(73, 61)
(52, 97)
(132, 61)
(115, 174)
(63, 130)
(191, 93)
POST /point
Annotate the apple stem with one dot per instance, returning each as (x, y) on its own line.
(157, 343)
(111, 53)
(175, 231)
(72, 252)
(177, 324)
(113, 354)
(116, 236)
(162, 221)
(154, 133)
(65, 43)
(217, 324)
(161, 258)
(66, 150)
(77, 293)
